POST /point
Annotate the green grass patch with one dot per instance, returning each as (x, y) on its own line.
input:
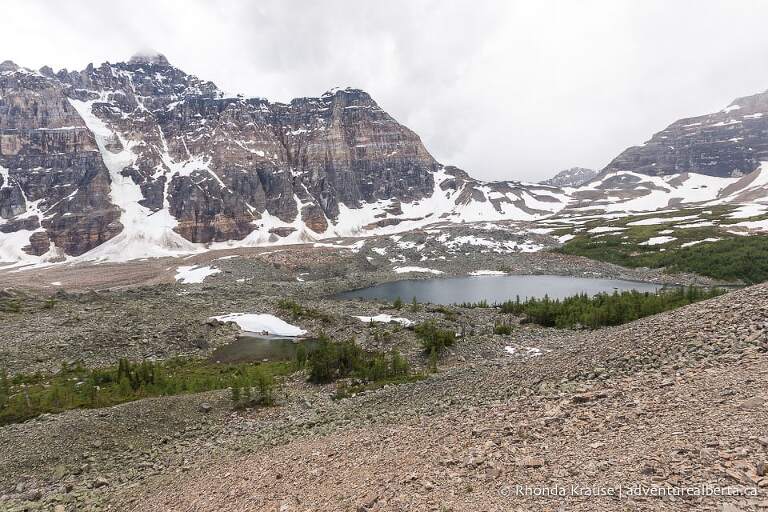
(730, 258)
(734, 258)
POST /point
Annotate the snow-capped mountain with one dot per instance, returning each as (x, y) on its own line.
(716, 158)
(139, 159)
(573, 177)
(729, 143)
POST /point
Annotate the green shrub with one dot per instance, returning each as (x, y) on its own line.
(504, 328)
(301, 355)
(331, 361)
(254, 387)
(433, 337)
(10, 306)
(297, 311)
(448, 313)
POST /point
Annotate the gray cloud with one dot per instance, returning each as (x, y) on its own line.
(505, 89)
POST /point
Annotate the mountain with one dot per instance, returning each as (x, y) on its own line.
(139, 159)
(719, 158)
(729, 143)
(573, 177)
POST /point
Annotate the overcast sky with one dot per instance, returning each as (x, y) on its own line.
(504, 89)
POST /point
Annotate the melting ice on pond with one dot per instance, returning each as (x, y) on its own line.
(262, 323)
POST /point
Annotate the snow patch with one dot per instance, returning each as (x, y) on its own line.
(262, 323)
(385, 319)
(405, 270)
(605, 229)
(194, 274)
(658, 240)
(748, 210)
(688, 244)
(525, 351)
(661, 220)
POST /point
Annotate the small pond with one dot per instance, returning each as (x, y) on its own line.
(251, 347)
(494, 288)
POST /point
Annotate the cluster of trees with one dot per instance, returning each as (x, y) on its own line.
(330, 361)
(26, 396)
(604, 309)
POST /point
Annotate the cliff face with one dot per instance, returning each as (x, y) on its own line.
(85, 155)
(53, 182)
(729, 143)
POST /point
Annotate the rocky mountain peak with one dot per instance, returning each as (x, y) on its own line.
(753, 103)
(727, 143)
(8, 65)
(573, 177)
(149, 57)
